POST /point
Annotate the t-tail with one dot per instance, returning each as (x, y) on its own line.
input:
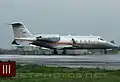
(20, 31)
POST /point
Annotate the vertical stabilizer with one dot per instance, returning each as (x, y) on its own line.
(20, 31)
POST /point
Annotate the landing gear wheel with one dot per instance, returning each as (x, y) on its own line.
(64, 52)
(55, 52)
(105, 51)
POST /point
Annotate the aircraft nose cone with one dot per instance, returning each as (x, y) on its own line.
(114, 46)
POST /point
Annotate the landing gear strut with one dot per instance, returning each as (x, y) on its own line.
(64, 52)
(105, 51)
(55, 51)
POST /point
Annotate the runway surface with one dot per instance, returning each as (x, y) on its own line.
(91, 61)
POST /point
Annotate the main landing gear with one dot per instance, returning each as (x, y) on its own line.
(105, 51)
(56, 52)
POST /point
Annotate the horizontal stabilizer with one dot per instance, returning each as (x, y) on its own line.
(14, 42)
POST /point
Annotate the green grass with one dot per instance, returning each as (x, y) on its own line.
(36, 73)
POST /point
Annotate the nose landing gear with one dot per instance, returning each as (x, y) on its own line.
(64, 52)
(105, 51)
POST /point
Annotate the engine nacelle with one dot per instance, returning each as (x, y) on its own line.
(48, 38)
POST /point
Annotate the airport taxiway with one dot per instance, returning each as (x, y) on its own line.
(92, 61)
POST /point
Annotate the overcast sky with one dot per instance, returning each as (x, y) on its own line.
(78, 17)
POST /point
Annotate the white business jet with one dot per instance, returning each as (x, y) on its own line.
(57, 42)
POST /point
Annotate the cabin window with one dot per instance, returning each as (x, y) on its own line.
(89, 41)
(76, 41)
(80, 41)
(85, 41)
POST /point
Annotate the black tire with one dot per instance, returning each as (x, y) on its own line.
(55, 52)
(64, 52)
(105, 52)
